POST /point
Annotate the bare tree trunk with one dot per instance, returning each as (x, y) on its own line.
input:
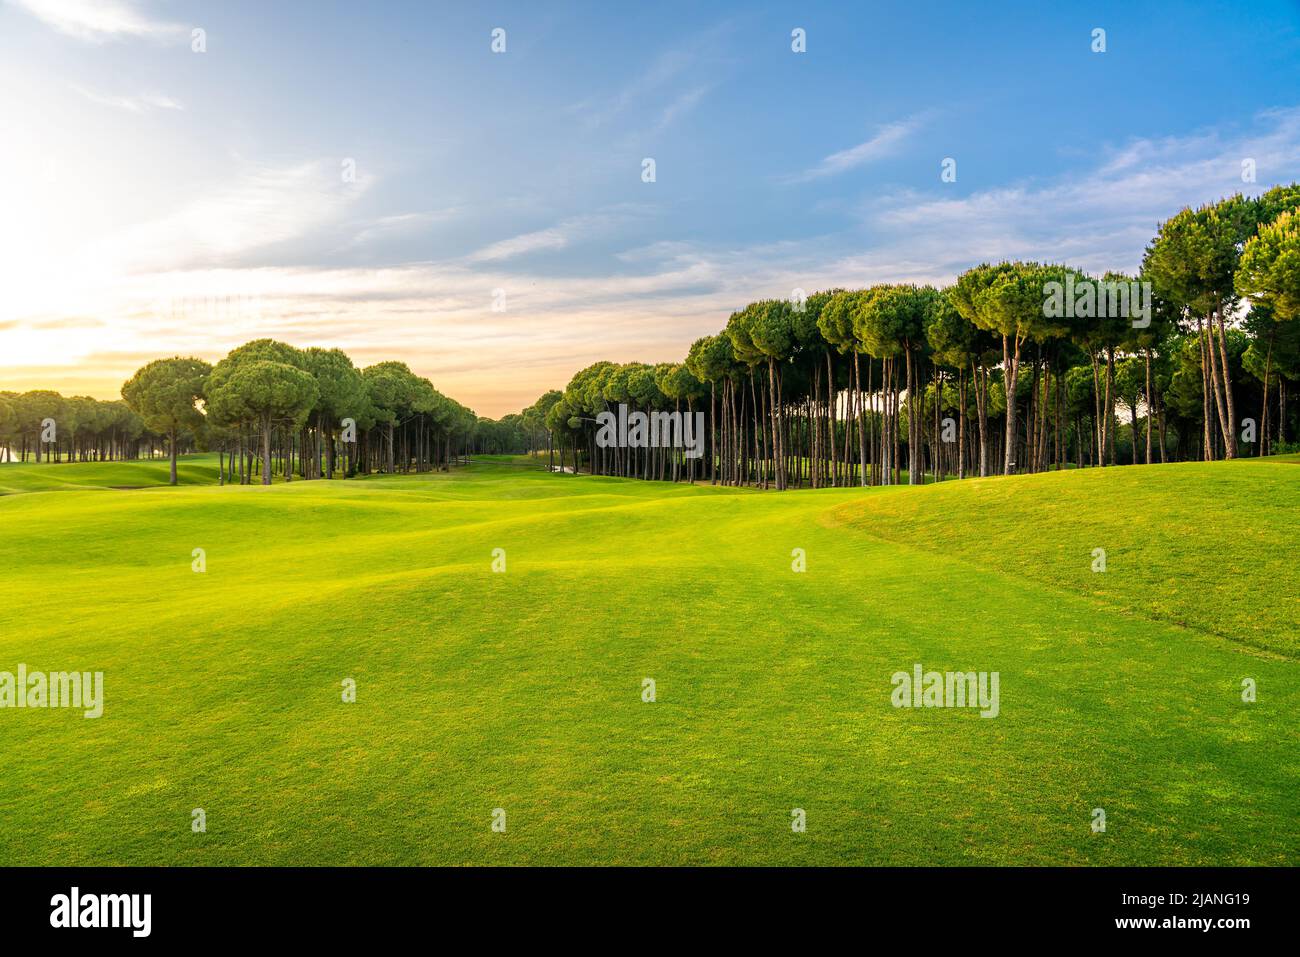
(1207, 448)
(858, 403)
(266, 449)
(778, 440)
(1268, 368)
(1011, 374)
(1097, 428)
(830, 416)
(886, 410)
(1281, 409)
(713, 433)
(1150, 406)
(1111, 425)
(915, 475)
(1225, 423)
(961, 423)
(981, 380)
(1031, 417)
(1230, 435)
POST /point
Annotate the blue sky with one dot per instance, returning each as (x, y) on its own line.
(160, 201)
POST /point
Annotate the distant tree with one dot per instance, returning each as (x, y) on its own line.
(678, 384)
(835, 323)
(390, 388)
(1193, 262)
(165, 394)
(771, 330)
(963, 347)
(1270, 267)
(739, 330)
(265, 392)
(537, 416)
(1269, 275)
(33, 408)
(702, 361)
(8, 423)
(1100, 332)
(342, 394)
(891, 323)
(1008, 300)
(1129, 389)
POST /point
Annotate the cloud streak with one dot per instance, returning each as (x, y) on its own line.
(141, 103)
(267, 205)
(98, 21)
(569, 232)
(1102, 218)
(886, 141)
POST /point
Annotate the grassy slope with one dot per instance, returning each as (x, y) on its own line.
(522, 690)
(1209, 546)
(30, 477)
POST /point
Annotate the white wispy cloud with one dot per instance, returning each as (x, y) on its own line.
(1100, 218)
(263, 206)
(885, 142)
(663, 70)
(139, 103)
(555, 237)
(679, 107)
(96, 21)
(691, 64)
(402, 224)
(562, 235)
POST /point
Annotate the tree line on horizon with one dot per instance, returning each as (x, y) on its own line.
(267, 408)
(839, 388)
(869, 386)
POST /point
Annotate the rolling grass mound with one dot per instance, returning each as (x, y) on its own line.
(142, 473)
(1210, 546)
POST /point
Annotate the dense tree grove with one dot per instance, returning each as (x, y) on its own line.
(267, 408)
(83, 429)
(516, 433)
(1016, 367)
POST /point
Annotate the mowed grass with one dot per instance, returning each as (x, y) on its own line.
(522, 690)
(143, 473)
(1210, 546)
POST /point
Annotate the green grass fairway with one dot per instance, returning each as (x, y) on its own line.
(522, 690)
(145, 473)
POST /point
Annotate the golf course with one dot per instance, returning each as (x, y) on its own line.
(500, 621)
